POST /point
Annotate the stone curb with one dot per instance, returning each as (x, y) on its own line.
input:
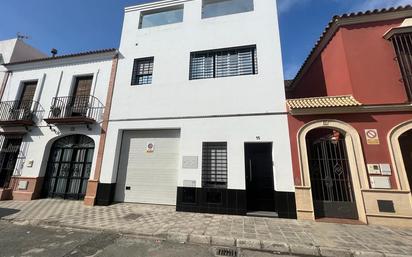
(250, 244)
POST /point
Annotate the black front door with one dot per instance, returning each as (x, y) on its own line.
(8, 158)
(332, 190)
(259, 177)
(405, 142)
(69, 167)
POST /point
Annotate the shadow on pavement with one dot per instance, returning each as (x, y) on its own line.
(6, 212)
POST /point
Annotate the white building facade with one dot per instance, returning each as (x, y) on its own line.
(51, 118)
(198, 117)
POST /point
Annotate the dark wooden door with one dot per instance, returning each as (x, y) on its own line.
(81, 95)
(331, 181)
(259, 177)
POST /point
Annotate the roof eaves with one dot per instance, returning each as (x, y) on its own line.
(94, 52)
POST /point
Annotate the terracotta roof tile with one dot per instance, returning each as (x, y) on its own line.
(323, 102)
(338, 18)
(64, 56)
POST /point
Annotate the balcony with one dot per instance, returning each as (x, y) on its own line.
(75, 110)
(18, 113)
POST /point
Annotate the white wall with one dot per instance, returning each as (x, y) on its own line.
(235, 131)
(37, 142)
(173, 95)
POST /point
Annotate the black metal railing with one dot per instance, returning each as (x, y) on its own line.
(18, 110)
(403, 48)
(76, 106)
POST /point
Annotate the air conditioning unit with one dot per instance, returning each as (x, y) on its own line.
(55, 112)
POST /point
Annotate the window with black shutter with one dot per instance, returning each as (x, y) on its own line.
(142, 71)
(223, 63)
(214, 164)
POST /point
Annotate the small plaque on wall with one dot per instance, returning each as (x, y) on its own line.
(190, 162)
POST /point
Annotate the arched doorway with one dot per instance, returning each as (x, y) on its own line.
(405, 143)
(69, 167)
(330, 175)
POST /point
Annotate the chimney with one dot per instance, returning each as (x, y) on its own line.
(54, 52)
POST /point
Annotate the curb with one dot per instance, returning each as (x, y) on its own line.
(242, 243)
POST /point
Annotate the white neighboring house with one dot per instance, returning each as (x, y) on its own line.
(14, 50)
(51, 118)
(198, 118)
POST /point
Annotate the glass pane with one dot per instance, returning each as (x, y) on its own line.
(77, 170)
(161, 17)
(80, 155)
(213, 8)
(64, 170)
(89, 157)
(74, 186)
(87, 171)
(61, 185)
(67, 155)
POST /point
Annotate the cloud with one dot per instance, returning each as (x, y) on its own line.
(378, 4)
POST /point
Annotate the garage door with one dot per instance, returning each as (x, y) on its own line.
(149, 162)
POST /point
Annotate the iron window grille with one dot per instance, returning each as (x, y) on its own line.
(143, 71)
(403, 48)
(223, 63)
(214, 165)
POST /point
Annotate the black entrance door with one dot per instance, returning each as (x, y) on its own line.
(69, 167)
(259, 177)
(405, 142)
(8, 158)
(332, 189)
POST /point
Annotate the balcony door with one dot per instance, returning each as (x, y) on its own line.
(22, 107)
(81, 95)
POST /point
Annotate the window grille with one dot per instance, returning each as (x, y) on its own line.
(214, 164)
(223, 63)
(403, 48)
(142, 71)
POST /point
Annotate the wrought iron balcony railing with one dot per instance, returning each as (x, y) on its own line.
(18, 113)
(75, 109)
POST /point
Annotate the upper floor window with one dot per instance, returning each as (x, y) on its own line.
(1, 59)
(214, 8)
(403, 47)
(161, 16)
(142, 71)
(214, 164)
(223, 63)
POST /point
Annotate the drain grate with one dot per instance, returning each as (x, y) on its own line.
(226, 252)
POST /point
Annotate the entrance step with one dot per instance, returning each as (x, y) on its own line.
(267, 214)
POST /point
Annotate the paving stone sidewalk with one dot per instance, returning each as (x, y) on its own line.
(278, 235)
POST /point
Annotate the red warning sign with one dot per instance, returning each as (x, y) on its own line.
(372, 137)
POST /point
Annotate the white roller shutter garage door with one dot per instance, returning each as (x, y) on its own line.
(149, 175)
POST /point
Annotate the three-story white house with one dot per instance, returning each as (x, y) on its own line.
(198, 117)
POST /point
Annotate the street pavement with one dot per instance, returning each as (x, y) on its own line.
(35, 241)
(270, 234)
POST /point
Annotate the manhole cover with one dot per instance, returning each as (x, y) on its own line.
(226, 252)
(132, 216)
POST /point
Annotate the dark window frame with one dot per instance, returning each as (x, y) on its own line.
(206, 15)
(161, 10)
(402, 44)
(214, 53)
(216, 176)
(147, 77)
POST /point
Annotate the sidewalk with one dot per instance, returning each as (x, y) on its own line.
(277, 235)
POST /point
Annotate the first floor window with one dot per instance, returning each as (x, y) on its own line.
(214, 164)
(142, 71)
(223, 63)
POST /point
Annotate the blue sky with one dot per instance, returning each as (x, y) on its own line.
(80, 25)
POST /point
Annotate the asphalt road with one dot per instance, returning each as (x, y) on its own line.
(24, 240)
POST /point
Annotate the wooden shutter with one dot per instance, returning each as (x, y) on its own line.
(83, 86)
(29, 89)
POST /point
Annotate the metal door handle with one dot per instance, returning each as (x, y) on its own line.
(250, 170)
